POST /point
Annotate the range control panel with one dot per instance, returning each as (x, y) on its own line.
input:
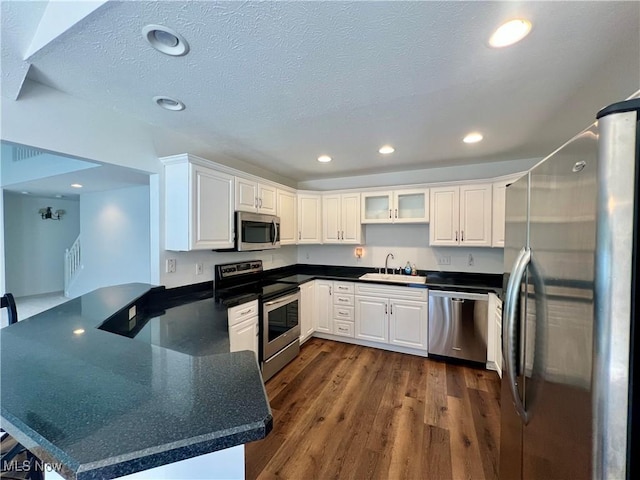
(229, 270)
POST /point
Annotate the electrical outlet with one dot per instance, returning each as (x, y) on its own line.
(199, 268)
(171, 265)
(132, 312)
(471, 261)
(444, 260)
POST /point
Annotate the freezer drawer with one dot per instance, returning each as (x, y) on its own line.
(458, 325)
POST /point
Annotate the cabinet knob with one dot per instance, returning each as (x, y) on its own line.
(396, 213)
(456, 235)
(462, 235)
(389, 213)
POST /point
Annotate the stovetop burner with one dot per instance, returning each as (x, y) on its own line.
(233, 281)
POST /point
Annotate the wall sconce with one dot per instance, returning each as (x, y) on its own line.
(359, 252)
(46, 213)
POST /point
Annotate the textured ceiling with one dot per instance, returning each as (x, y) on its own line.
(279, 83)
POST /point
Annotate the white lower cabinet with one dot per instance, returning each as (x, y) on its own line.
(244, 327)
(408, 323)
(392, 315)
(494, 334)
(307, 310)
(324, 306)
(372, 321)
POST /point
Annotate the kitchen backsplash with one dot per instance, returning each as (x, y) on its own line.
(407, 243)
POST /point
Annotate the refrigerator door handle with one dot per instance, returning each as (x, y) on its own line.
(509, 337)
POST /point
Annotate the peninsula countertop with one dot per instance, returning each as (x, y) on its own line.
(104, 405)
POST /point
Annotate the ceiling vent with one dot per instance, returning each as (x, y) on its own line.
(23, 153)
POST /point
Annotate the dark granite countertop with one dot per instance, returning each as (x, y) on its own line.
(459, 281)
(105, 405)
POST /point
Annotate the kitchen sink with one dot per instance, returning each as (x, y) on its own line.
(384, 277)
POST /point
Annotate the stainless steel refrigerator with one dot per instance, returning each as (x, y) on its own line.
(569, 334)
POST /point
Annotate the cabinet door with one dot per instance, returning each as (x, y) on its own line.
(351, 230)
(324, 306)
(266, 199)
(244, 336)
(444, 215)
(376, 207)
(372, 320)
(408, 323)
(475, 215)
(212, 209)
(307, 310)
(287, 211)
(411, 206)
(498, 210)
(246, 195)
(331, 225)
(309, 218)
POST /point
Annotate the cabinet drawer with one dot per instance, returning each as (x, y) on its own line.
(343, 313)
(241, 312)
(340, 299)
(343, 287)
(344, 329)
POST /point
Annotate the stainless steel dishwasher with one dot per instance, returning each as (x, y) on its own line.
(458, 325)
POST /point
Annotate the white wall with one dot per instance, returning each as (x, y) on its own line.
(407, 243)
(186, 263)
(115, 232)
(34, 248)
(40, 166)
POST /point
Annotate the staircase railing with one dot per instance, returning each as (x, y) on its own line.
(72, 264)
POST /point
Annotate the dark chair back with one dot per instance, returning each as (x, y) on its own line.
(7, 301)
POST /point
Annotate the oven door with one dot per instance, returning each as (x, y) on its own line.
(281, 323)
(257, 232)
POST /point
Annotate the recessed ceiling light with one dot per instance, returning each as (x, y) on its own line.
(473, 137)
(169, 103)
(510, 32)
(78, 331)
(386, 149)
(324, 158)
(166, 40)
(76, 185)
(25, 193)
(58, 196)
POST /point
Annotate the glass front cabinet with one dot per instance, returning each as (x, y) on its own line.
(396, 206)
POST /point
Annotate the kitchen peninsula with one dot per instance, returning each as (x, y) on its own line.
(101, 405)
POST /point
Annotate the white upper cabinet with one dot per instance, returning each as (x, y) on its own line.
(498, 209)
(461, 216)
(309, 218)
(396, 206)
(341, 218)
(198, 207)
(288, 213)
(255, 197)
(499, 204)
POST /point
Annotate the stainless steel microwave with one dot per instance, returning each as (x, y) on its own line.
(257, 232)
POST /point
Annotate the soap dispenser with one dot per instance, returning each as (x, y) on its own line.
(407, 268)
(413, 270)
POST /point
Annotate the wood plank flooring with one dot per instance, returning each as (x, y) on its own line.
(348, 412)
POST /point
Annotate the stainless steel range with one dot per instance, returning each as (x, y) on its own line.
(279, 312)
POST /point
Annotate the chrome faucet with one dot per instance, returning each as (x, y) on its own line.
(386, 263)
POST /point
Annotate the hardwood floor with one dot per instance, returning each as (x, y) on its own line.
(348, 412)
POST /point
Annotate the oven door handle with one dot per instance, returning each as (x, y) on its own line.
(286, 299)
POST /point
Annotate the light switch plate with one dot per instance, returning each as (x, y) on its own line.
(132, 312)
(444, 260)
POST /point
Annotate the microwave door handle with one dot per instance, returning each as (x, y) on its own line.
(275, 232)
